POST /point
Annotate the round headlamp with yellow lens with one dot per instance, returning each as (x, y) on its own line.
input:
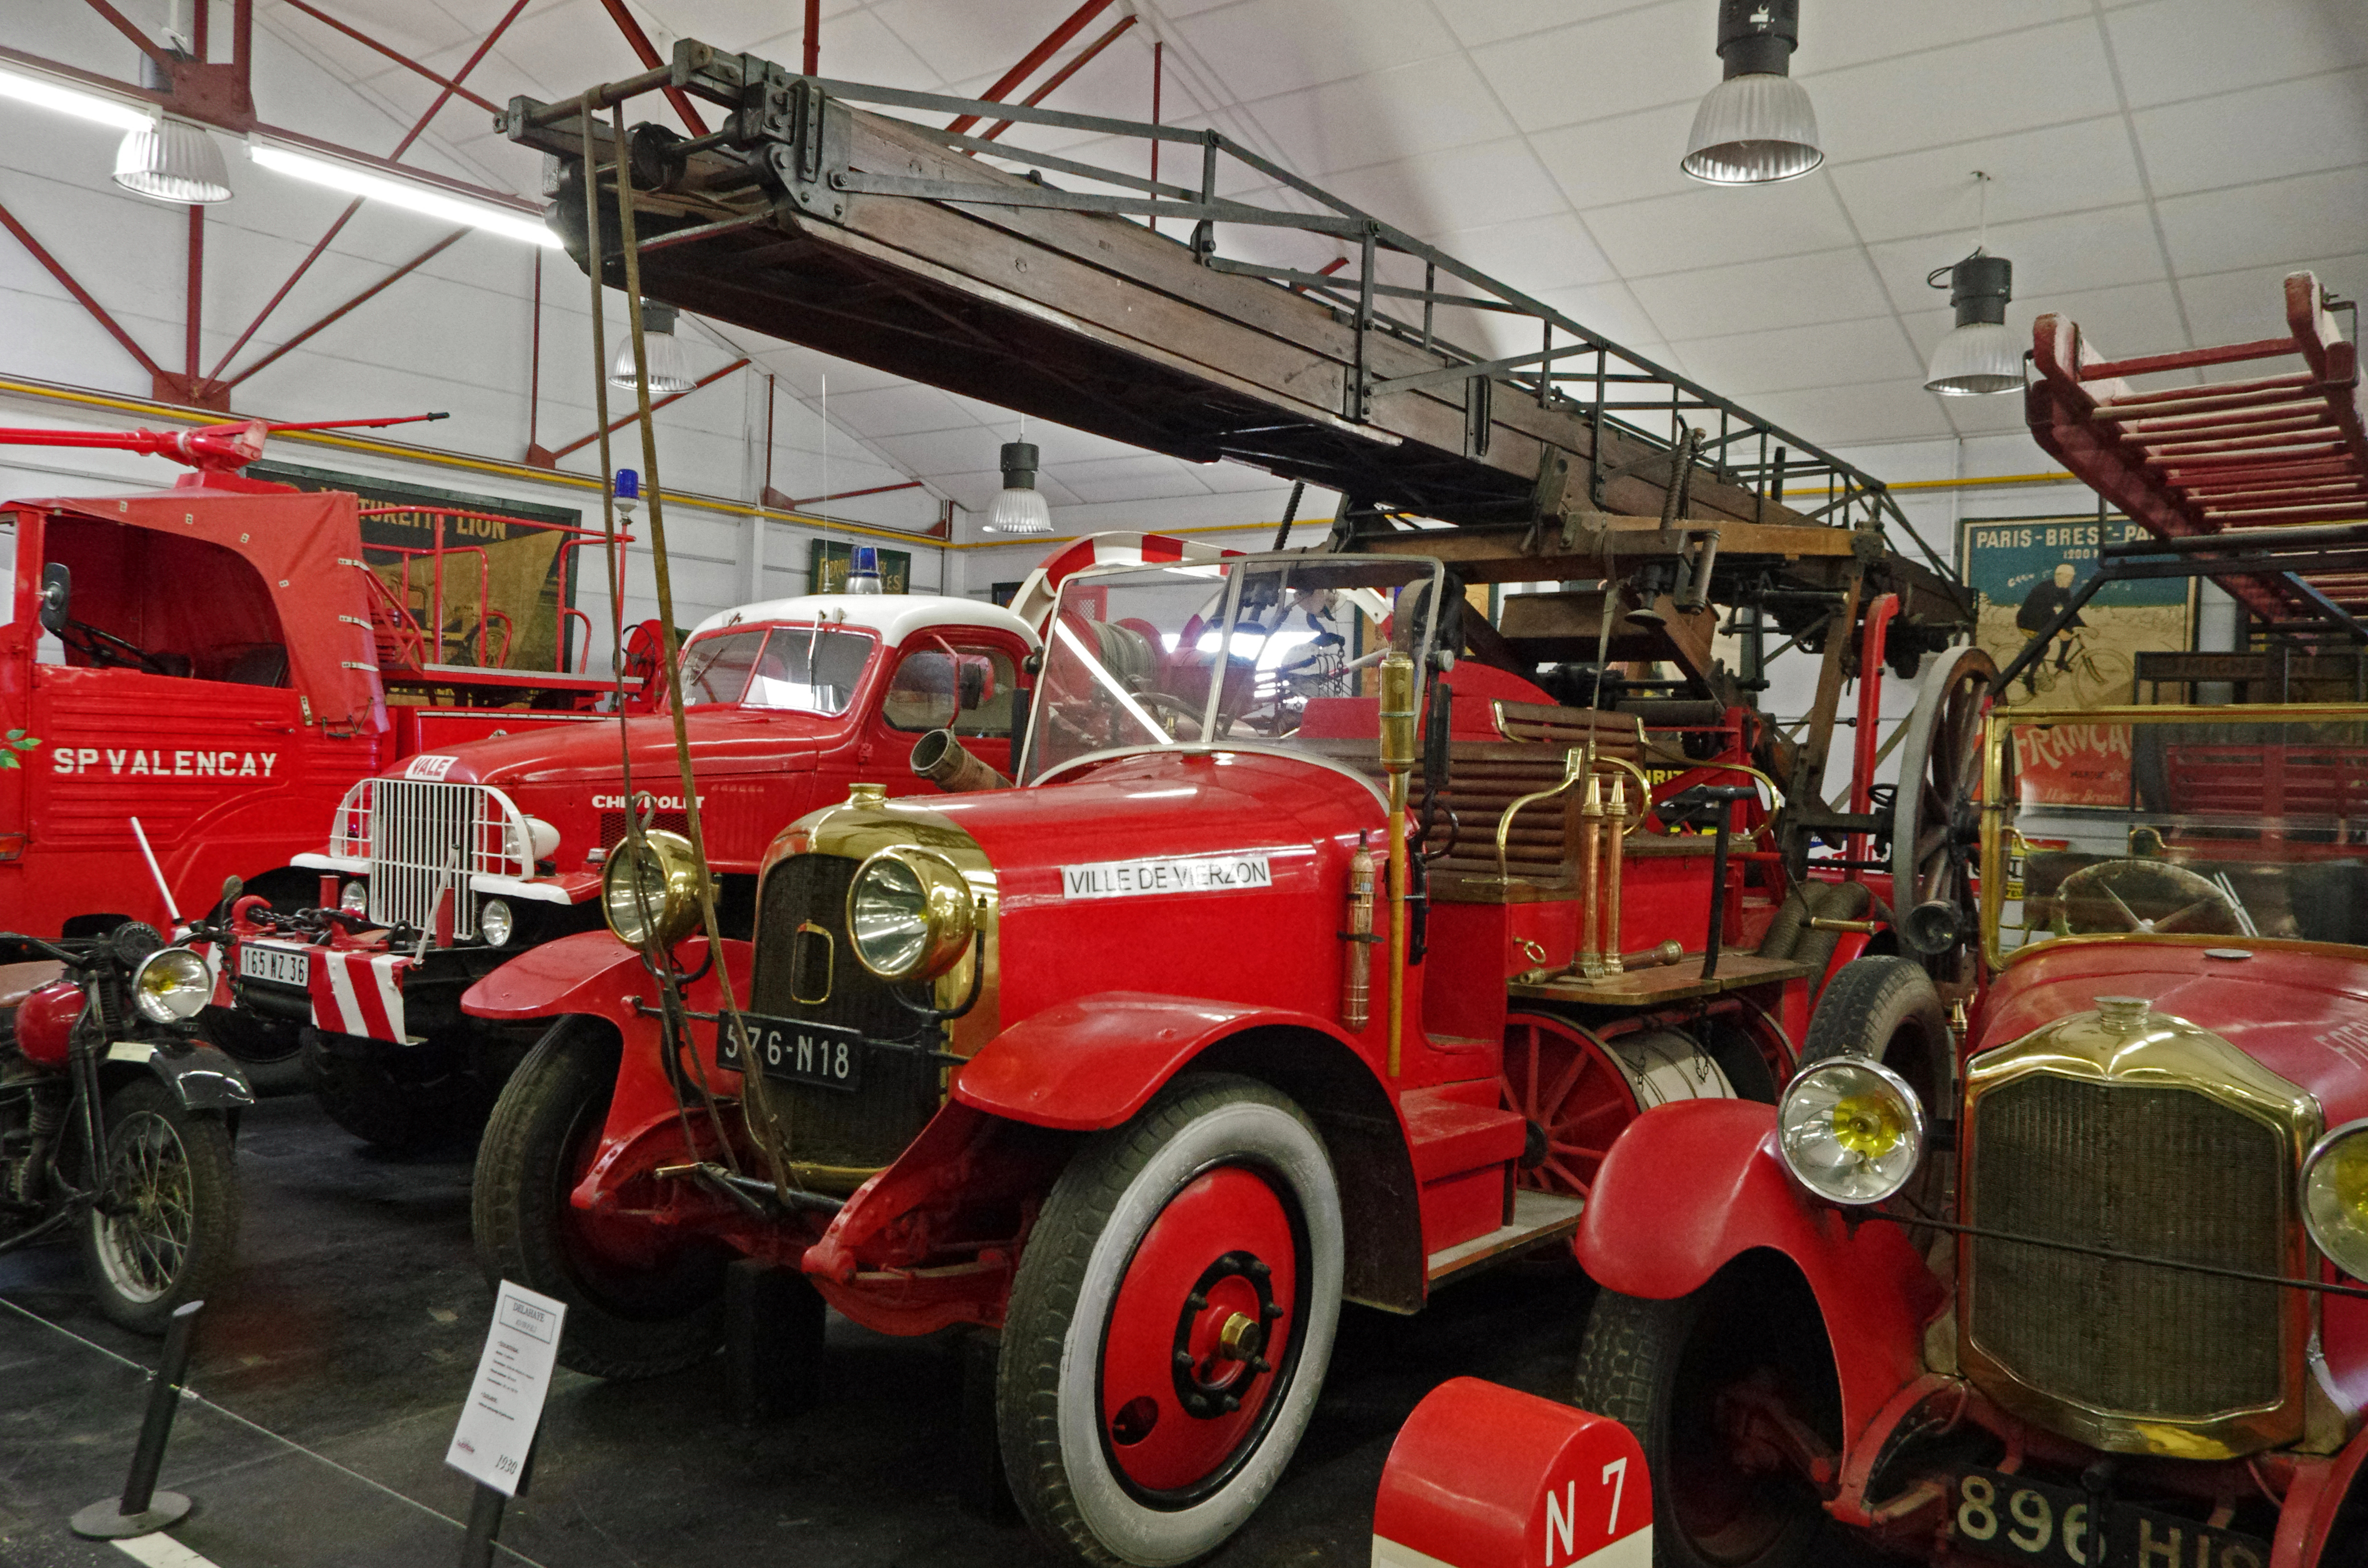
(908, 915)
(650, 892)
(2335, 1197)
(171, 985)
(1851, 1129)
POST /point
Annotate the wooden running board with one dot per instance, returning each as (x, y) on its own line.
(1538, 1217)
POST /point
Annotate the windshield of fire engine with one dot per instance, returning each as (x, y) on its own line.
(797, 669)
(1264, 651)
(2221, 822)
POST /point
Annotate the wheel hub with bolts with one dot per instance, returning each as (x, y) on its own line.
(1220, 1333)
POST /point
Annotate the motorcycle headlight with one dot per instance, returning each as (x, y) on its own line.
(908, 915)
(494, 922)
(171, 984)
(2335, 1197)
(650, 894)
(1851, 1129)
(355, 899)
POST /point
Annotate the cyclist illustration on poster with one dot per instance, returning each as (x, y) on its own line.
(2027, 569)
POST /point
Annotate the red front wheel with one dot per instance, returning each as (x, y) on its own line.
(1171, 1325)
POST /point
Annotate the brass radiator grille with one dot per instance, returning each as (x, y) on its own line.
(866, 1129)
(2164, 1173)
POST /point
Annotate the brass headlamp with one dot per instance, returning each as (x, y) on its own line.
(908, 914)
(650, 892)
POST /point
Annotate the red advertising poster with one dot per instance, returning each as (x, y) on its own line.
(2073, 765)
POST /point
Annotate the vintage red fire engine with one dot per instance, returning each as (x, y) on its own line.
(442, 867)
(228, 664)
(1133, 1060)
(2101, 1302)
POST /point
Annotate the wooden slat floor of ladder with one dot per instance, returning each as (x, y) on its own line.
(1538, 1217)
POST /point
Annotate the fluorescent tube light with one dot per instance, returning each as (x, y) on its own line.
(356, 181)
(43, 93)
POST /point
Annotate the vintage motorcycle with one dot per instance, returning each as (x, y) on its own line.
(115, 1120)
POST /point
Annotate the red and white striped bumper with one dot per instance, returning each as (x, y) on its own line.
(358, 993)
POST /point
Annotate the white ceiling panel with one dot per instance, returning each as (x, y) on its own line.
(2034, 174)
(2171, 50)
(1991, 86)
(2260, 134)
(1836, 33)
(1798, 290)
(1710, 227)
(1280, 46)
(2232, 307)
(1611, 65)
(1463, 188)
(2259, 225)
(1552, 251)
(1415, 108)
(1793, 358)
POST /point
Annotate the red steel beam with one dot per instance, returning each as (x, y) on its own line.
(439, 248)
(648, 54)
(1076, 64)
(417, 128)
(851, 494)
(1044, 51)
(122, 24)
(813, 37)
(197, 293)
(708, 380)
(81, 295)
(397, 56)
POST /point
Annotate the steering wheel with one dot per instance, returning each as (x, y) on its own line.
(1179, 711)
(107, 651)
(2146, 896)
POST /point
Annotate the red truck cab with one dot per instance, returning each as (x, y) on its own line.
(461, 857)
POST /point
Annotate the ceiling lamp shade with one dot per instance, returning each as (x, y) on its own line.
(172, 161)
(669, 372)
(1980, 355)
(1019, 507)
(1756, 125)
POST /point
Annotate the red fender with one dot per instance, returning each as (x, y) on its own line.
(1691, 1186)
(2314, 1502)
(1092, 1061)
(591, 972)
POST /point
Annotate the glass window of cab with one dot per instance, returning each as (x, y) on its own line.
(2230, 823)
(796, 669)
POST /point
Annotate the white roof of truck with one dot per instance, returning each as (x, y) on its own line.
(893, 616)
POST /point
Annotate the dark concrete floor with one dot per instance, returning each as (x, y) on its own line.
(331, 1374)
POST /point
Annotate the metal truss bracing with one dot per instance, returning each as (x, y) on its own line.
(901, 245)
(2258, 456)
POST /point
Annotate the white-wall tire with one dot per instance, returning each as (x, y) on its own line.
(1188, 1157)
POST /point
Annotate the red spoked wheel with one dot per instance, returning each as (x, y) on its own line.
(1170, 1324)
(1573, 1096)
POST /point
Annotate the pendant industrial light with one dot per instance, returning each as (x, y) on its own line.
(1019, 507)
(1981, 354)
(1756, 125)
(669, 372)
(171, 160)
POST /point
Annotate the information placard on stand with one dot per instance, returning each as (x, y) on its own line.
(496, 1426)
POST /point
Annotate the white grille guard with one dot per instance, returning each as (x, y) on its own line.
(500, 863)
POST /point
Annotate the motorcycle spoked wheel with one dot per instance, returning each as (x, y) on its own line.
(639, 1304)
(1171, 1325)
(164, 1229)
